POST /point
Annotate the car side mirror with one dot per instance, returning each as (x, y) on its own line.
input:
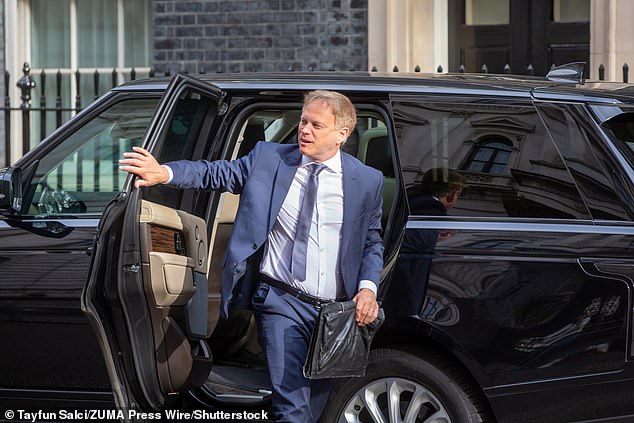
(10, 190)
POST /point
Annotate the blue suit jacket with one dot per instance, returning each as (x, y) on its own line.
(262, 178)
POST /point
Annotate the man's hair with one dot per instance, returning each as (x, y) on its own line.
(341, 106)
(441, 181)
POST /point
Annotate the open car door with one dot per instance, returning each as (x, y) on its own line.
(146, 294)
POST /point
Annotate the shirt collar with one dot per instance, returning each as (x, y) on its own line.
(333, 163)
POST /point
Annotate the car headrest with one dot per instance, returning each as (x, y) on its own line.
(374, 150)
(253, 133)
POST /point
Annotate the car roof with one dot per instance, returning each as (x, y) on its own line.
(397, 82)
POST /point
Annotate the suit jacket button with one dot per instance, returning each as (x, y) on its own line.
(255, 246)
(234, 265)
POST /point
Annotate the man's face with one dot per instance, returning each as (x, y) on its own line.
(317, 135)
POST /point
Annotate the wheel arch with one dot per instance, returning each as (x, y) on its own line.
(417, 337)
(402, 361)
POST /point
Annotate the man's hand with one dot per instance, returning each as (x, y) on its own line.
(142, 164)
(367, 308)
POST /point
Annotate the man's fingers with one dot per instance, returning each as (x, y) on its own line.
(130, 155)
(366, 310)
(370, 315)
(139, 171)
(131, 169)
(133, 162)
(140, 157)
(142, 151)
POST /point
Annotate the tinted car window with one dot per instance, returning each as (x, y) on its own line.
(584, 151)
(186, 137)
(81, 175)
(503, 153)
(622, 127)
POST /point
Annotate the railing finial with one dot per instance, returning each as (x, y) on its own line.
(26, 84)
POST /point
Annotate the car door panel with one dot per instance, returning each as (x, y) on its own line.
(174, 258)
(172, 280)
(177, 249)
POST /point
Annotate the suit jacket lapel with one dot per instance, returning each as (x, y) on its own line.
(350, 200)
(284, 175)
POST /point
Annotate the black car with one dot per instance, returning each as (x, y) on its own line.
(513, 304)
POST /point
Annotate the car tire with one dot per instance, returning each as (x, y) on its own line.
(443, 393)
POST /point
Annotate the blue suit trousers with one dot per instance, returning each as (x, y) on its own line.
(285, 325)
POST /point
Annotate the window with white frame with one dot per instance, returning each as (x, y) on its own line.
(571, 10)
(85, 36)
(487, 12)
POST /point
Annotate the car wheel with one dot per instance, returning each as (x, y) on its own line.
(407, 386)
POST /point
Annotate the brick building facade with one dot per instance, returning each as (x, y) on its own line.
(259, 35)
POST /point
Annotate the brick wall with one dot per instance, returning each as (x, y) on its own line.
(259, 35)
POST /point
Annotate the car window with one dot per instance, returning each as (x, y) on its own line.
(589, 162)
(187, 134)
(497, 159)
(81, 174)
(621, 128)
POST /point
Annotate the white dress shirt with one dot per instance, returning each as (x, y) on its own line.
(323, 278)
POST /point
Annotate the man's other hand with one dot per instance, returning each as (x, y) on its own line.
(142, 164)
(367, 308)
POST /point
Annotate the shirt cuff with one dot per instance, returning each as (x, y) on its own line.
(170, 173)
(365, 283)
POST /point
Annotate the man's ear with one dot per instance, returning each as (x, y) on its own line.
(452, 197)
(343, 135)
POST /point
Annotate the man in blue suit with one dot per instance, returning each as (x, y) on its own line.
(307, 231)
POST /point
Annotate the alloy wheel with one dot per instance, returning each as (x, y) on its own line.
(394, 400)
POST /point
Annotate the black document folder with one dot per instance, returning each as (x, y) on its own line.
(339, 347)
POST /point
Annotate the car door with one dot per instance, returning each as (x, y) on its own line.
(146, 294)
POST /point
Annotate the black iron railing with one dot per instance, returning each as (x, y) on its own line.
(52, 112)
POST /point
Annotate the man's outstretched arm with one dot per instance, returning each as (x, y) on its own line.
(221, 175)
